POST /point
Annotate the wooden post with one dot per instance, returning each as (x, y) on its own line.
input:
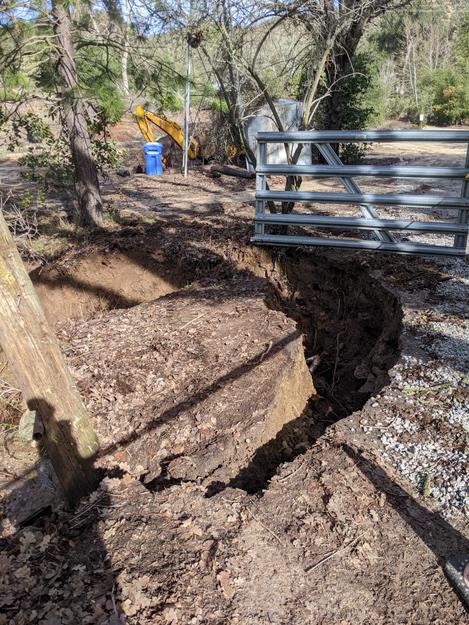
(36, 360)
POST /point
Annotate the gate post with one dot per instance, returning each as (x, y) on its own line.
(460, 240)
(261, 184)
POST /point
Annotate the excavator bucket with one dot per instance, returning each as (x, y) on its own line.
(143, 124)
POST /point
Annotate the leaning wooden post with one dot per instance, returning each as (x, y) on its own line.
(36, 360)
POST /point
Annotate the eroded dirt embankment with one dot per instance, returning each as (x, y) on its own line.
(210, 381)
(192, 384)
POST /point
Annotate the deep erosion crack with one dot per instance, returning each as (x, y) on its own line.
(351, 326)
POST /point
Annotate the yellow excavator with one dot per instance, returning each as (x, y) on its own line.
(174, 131)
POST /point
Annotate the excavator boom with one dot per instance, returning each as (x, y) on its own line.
(172, 129)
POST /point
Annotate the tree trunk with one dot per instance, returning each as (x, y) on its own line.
(339, 66)
(90, 207)
(125, 50)
(42, 375)
(124, 68)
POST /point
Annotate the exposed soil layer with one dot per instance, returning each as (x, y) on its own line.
(349, 324)
(81, 285)
(193, 383)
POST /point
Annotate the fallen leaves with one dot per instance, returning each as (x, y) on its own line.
(137, 594)
(226, 584)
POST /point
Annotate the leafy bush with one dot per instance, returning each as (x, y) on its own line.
(217, 104)
(49, 162)
(450, 101)
(107, 154)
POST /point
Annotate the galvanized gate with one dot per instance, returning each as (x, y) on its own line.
(383, 228)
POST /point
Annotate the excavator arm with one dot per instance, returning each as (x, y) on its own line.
(172, 129)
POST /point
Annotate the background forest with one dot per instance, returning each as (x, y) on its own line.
(69, 71)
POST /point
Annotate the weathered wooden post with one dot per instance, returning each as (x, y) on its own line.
(42, 374)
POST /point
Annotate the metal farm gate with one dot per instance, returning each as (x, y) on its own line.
(370, 220)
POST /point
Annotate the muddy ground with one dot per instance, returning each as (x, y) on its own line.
(284, 432)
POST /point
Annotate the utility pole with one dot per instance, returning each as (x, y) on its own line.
(42, 375)
(187, 108)
(187, 102)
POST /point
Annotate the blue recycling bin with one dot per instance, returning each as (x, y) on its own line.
(153, 159)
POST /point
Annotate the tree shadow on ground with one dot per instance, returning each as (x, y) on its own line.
(440, 536)
(49, 574)
(200, 396)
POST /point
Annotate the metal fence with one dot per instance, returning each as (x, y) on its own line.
(383, 229)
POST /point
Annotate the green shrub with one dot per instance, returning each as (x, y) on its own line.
(450, 98)
(218, 104)
(49, 162)
(107, 154)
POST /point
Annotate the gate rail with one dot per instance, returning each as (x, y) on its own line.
(370, 219)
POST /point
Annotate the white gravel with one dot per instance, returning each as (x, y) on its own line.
(426, 432)
(423, 415)
(428, 443)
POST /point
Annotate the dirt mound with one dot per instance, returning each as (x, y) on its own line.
(193, 383)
